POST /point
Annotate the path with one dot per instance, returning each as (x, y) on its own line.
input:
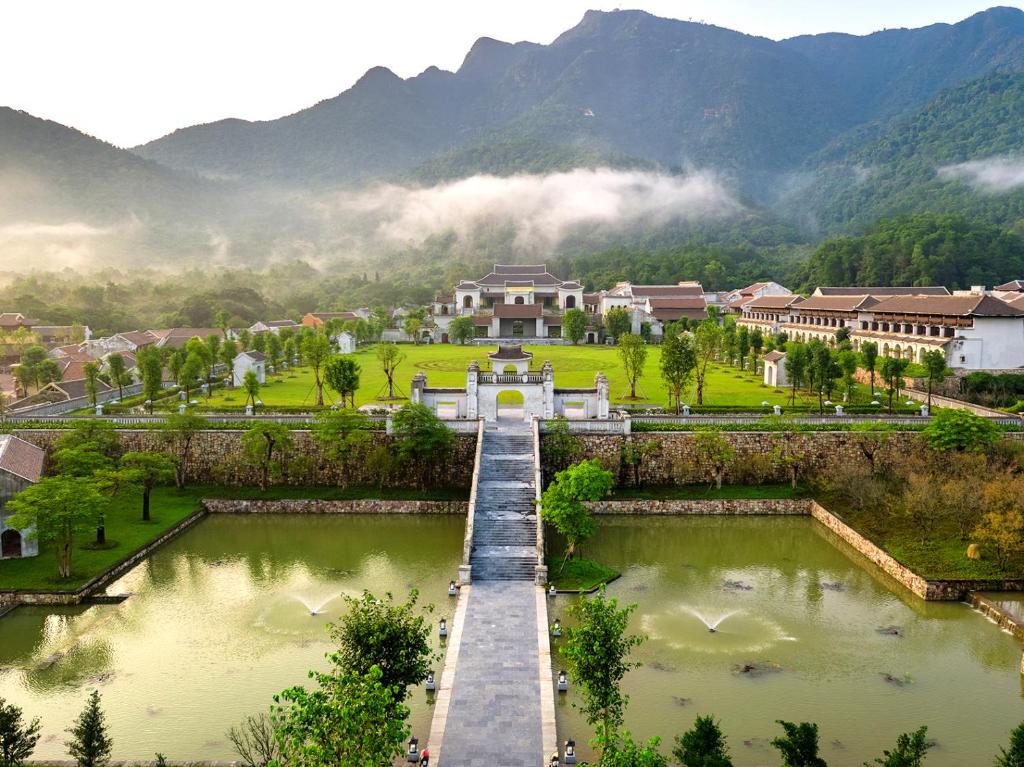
(495, 704)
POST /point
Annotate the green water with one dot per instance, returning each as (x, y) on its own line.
(218, 621)
(806, 613)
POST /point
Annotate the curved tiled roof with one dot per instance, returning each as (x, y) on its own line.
(950, 306)
(510, 353)
(21, 458)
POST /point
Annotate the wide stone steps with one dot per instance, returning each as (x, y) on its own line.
(505, 516)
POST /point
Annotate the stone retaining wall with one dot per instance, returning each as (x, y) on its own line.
(1005, 621)
(216, 457)
(313, 506)
(698, 507)
(677, 461)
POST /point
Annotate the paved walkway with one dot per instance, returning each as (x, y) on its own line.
(495, 704)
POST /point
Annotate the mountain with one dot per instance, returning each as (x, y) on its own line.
(622, 86)
(916, 163)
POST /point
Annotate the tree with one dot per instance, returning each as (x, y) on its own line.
(678, 364)
(267, 444)
(274, 349)
(756, 344)
(869, 353)
(707, 343)
(935, 368)
(151, 369)
(911, 749)
(596, 652)
(342, 436)
(90, 745)
(461, 329)
(341, 373)
(742, 344)
(389, 635)
(703, 745)
(251, 387)
(147, 470)
(562, 504)
(892, 376)
(1015, 756)
(254, 741)
(118, 375)
(846, 359)
(213, 343)
(1002, 533)
(626, 752)
(617, 321)
(179, 433)
(790, 457)
(390, 357)
(316, 349)
(799, 745)
(633, 353)
(561, 448)
(412, 326)
(53, 510)
(797, 366)
(29, 366)
(574, 325)
(191, 370)
(962, 430)
(633, 454)
(18, 739)
(824, 370)
(715, 452)
(423, 441)
(91, 371)
(221, 320)
(348, 721)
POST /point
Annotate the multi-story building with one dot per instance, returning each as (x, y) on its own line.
(975, 331)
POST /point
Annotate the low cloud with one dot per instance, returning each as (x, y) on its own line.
(994, 175)
(543, 208)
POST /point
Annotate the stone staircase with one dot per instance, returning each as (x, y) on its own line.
(505, 519)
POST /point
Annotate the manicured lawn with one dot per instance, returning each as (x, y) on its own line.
(578, 574)
(445, 366)
(705, 492)
(126, 532)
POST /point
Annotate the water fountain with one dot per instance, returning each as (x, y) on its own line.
(712, 623)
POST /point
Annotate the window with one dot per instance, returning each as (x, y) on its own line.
(570, 302)
(520, 300)
(467, 302)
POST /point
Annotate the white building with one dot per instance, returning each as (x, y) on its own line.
(246, 361)
(346, 342)
(775, 369)
(734, 299)
(273, 326)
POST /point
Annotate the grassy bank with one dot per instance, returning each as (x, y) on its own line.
(126, 532)
(578, 574)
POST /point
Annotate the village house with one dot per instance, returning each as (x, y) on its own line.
(346, 342)
(21, 465)
(317, 320)
(732, 300)
(273, 326)
(246, 361)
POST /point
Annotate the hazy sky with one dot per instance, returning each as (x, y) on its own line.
(129, 71)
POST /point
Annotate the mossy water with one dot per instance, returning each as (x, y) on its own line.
(217, 622)
(805, 630)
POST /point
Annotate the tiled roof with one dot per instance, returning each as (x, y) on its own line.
(518, 283)
(591, 298)
(666, 291)
(254, 355)
(72, 389)
(1012, 285)
(11, 319)
(840, 303)
(482, 320)
(510, 353)
(518, 311)
(139, 337)
(772, 302)
(678, 303)
(571, 285)
(935, 290)
(21, 458)
(176, 338)
(520, 268)
(281, 324)
(751, 289)
(949, 306)
(1017, 302)
(444, 298)
(774, 356)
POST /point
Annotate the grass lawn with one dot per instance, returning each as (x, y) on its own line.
(126, 532)
(579, 574)
(705, 492)
(575, 366)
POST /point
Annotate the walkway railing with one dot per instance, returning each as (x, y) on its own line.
(510, 378)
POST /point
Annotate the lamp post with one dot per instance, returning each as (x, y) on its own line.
(563, 681)
(556, 628)
(570, 751)
(442, 628)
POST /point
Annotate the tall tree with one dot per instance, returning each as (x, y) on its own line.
(617, 322)
(756, 344)
(390, 357)
(713, 451)
(742, 345)
(574, 325)
(316, 349)
(90, 745)
(251, 387)
(799, 745)
(91, 371)
(935, 368)
(562, 504)
(228, 352)
(678, 364)
(115, 364)
(53, 510)
(412, 327)
(707, 343)
(892, 376)
(633, 353)
(151, 369)
(869, 353)
(179, 434)
(342, 436)
(18, 738)
(341, 373)
(461, 329)
(267, 445)
(596, 651)
(797, 366)
(422, 439)
(213, 343)
(147, 470)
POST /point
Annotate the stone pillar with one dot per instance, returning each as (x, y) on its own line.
(472, 390)
(601, 384)
(419, 383)
(548, 384)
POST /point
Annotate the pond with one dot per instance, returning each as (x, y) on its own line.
(805, 630)
(219, 620)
